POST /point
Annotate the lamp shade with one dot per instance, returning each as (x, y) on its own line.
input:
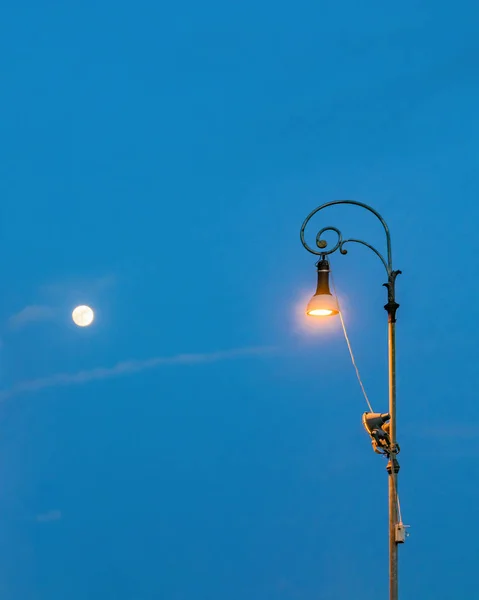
(323, 303)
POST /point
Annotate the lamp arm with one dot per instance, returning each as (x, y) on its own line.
(339, 244)
(344, 251)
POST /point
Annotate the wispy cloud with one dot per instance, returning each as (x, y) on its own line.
(89, 286)
(451, 440)
(126, 368)
(31, 314)
(51, 515)
(449, 431)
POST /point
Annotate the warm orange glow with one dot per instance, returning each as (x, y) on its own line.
(320, 312)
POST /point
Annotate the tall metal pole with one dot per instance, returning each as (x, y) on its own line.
(393, 465)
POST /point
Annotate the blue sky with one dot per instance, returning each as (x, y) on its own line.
(200, 441)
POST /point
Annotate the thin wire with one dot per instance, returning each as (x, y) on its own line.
(397, 501)
(360, 380)
(399, 508)
(349, 346)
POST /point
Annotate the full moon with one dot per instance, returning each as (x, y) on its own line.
(83, 316)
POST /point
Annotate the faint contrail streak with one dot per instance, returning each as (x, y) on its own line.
(127, 367)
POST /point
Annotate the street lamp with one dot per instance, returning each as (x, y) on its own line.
(381, 427)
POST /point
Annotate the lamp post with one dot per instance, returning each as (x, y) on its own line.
(381, 427)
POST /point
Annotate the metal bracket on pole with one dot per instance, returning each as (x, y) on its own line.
(392, 305)
(401, 533)
(393, 465)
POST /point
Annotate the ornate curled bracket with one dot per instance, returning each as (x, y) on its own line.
(322, 244)
(392, 305)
